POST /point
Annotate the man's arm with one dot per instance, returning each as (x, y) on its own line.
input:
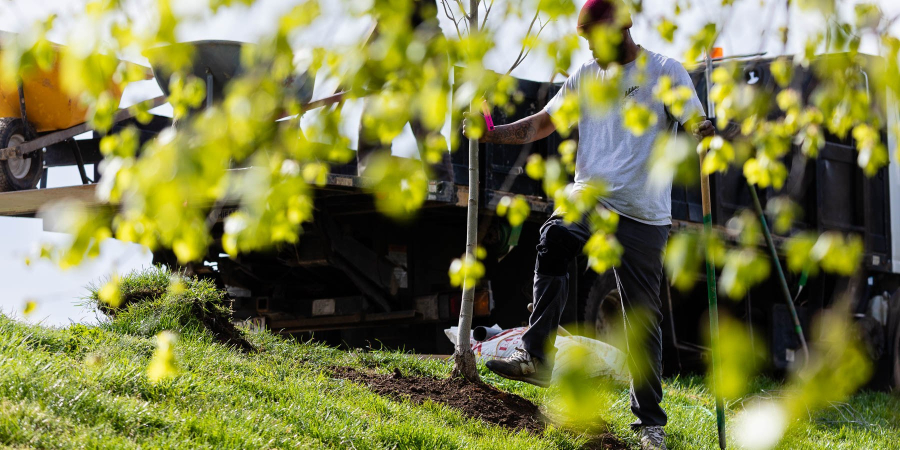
(692, 118)
(529, 129)
(700, 128)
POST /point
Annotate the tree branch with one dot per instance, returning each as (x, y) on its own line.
(523, 53)
(487, 11)
(448, 11)
(528, 52)
(466, 15)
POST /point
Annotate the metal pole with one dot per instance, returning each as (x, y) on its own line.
(464, 358)
(209, 88)
(785, 291)
(711, 273)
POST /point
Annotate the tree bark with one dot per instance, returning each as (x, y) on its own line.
(463, 358)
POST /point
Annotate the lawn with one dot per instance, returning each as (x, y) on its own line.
(87, 386)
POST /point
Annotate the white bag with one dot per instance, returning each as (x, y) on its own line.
(596, 358)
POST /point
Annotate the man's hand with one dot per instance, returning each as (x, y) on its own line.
(703, 129)
(467, 128)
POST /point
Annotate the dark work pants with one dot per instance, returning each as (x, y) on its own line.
(638, 277)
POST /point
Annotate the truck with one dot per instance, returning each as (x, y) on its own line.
(360, 279)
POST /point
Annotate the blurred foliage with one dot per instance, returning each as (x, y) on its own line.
(685, 254)
(515, 208)
(110, 293)
(465, 272)
(581, 401)
(782, 212)
(30, 307)
(831, 251)
(162, 363)
(742, 355)
(838, 366)
(170, 191)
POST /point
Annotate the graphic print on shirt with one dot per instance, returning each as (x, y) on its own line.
(630, 92)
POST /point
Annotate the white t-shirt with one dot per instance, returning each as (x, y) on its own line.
(609, 152)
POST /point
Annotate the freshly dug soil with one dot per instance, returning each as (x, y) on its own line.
(479, 401)
(606, 441)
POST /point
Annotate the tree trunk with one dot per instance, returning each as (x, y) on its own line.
(463, 358)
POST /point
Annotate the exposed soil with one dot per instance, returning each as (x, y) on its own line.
(605, 441)
(479, 401)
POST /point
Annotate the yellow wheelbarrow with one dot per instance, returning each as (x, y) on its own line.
(45, 130)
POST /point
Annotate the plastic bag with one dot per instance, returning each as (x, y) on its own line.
(596, 358)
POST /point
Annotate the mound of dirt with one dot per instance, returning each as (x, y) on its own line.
(481, 401)
(474, 400)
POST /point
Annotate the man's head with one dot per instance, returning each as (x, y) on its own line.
(605, 23)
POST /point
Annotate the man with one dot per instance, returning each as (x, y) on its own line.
(607, 151)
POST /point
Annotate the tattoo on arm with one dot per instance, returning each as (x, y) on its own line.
(515, 133)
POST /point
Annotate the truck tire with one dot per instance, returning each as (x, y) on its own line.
(20, 173)
(603, 307)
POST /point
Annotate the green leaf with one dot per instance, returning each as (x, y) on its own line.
(783, 211)
(535, 167)
(719, 154)
(682, 260)
(764, 172)
(465, 272)
(400, 185)
(666, 29)
(638, 118)
(516, 209)
(567, 115)
(782, 70)
(603, 251)
(604, 43)
(873, 154)
(743, 269)
(742, 355)
(700, 42)
(163, 364)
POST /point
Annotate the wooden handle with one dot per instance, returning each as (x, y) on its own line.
(704, 187)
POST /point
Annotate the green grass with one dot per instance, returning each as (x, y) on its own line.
(86, 386)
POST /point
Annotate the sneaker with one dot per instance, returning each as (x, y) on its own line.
(522, 367)
(653, 438)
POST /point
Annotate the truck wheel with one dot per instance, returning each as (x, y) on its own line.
(22, 172)
(603, 307)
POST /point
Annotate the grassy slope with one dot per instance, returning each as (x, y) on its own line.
(51, 397)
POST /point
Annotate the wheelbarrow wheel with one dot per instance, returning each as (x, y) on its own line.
(22, 172)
